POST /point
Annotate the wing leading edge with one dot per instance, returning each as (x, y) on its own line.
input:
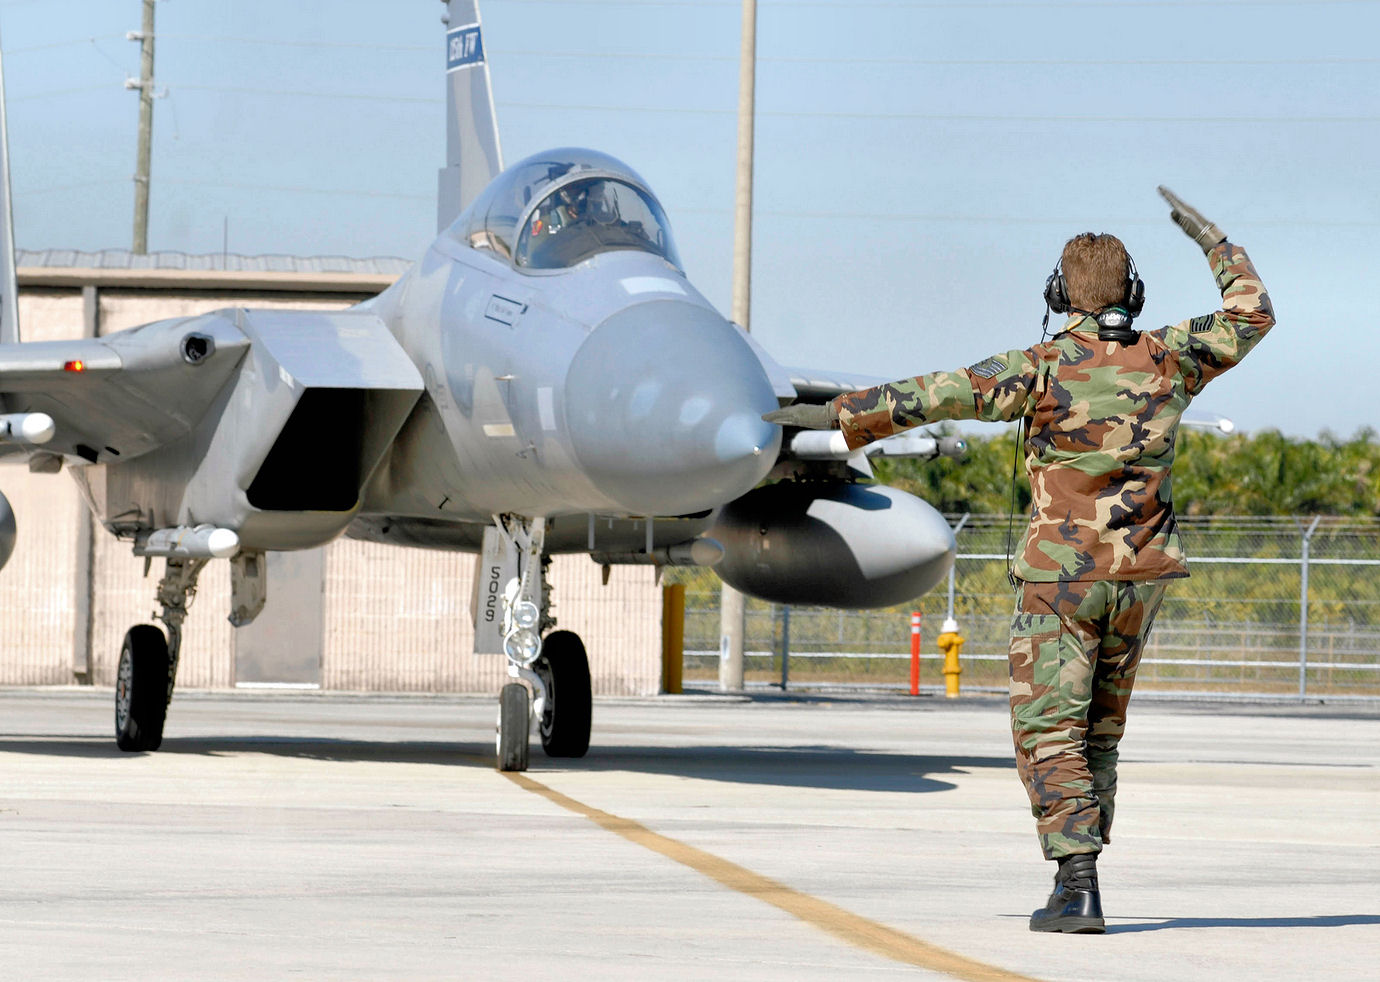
(124, 395)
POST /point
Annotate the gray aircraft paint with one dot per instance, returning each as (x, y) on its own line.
(196, 461)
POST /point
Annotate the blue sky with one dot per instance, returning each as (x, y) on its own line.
(919, 163)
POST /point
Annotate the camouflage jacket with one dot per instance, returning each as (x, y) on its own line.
(1101, 422)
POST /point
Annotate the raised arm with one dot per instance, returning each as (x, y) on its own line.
(1212, 343)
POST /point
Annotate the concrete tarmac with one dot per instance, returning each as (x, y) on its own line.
(368, 837)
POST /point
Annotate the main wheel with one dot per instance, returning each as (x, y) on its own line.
(141, 689)
(514, 725)
(565, 719)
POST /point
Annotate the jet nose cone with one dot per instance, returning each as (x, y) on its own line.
(665, 402)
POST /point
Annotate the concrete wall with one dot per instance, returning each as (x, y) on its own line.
(394, 619)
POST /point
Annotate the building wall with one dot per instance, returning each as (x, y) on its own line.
(395, 619)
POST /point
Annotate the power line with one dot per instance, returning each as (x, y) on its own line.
(340, 192)
(278, 93)
(939, 218)
(54, 93)
(80, 185)
(29, 48)
(934, 62)
(1081, 62)
(943, 117)
(276, 42)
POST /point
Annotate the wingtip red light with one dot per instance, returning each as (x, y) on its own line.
(74, 366)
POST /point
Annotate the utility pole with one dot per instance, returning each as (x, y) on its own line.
(145, 87)
(732, 608)
(9, 290)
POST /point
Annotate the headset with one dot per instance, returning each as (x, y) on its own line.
(1113, 323)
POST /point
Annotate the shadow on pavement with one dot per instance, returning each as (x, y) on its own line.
(838, 768)
(307, 748)
(828, 767)
(1321, 920)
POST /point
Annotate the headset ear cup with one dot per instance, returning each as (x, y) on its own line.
(1135, 295)
(1056, 292)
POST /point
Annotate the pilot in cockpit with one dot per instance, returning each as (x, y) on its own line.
(557, 212)
(568, 206)
(600, 204)
(593, 204)
(583, 219)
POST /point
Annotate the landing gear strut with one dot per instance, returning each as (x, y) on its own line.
(557, 668)
(148, 662)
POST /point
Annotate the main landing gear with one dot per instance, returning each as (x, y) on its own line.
(556, 668)
(148, 662)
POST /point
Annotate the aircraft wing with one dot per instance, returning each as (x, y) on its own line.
(123, 395)
(822, 385)
(807, 384)
(806, 449)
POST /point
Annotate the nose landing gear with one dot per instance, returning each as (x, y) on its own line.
(148, 662)
(556, 667)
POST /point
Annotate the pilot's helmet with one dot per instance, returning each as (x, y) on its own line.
(571, 200)
(602, 203)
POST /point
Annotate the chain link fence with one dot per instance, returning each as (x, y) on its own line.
(1274, 607)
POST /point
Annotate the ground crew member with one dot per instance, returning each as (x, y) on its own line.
(1101, 403)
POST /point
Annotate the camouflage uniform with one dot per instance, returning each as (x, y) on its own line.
(1101, 423)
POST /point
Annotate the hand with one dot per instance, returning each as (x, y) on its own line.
(805, 415)
(1195, 226)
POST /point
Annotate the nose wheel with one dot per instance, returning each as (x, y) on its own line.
(565, 716)
(148, 662)
(141, 689)
(514, 726)
(556, 667)
(563, 707)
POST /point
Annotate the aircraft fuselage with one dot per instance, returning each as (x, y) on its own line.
(613, 388)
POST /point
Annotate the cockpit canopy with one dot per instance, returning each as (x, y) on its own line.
(558, 208)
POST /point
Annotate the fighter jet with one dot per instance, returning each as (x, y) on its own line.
(544, 380)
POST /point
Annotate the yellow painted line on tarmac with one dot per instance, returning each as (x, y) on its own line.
(859, 931)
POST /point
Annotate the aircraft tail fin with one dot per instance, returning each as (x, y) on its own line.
(9, 289)
(473, 155)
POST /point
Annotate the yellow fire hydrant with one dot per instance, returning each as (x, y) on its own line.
(951, 643)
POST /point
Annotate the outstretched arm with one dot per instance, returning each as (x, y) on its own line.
(996, 388)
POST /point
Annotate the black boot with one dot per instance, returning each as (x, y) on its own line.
(1075, 906)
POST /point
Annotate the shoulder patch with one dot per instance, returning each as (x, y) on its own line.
(1200, 325)
(988, 368)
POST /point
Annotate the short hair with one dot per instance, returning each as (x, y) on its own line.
(1095, 271)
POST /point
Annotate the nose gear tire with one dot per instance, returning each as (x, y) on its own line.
(565, 719)
(514, 725)
(141, 689)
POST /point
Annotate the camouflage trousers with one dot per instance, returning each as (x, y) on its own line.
(1074, 651)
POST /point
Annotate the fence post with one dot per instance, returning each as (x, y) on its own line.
(672, 637)
(1303, 607)
(785, 646)
(957, 528)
